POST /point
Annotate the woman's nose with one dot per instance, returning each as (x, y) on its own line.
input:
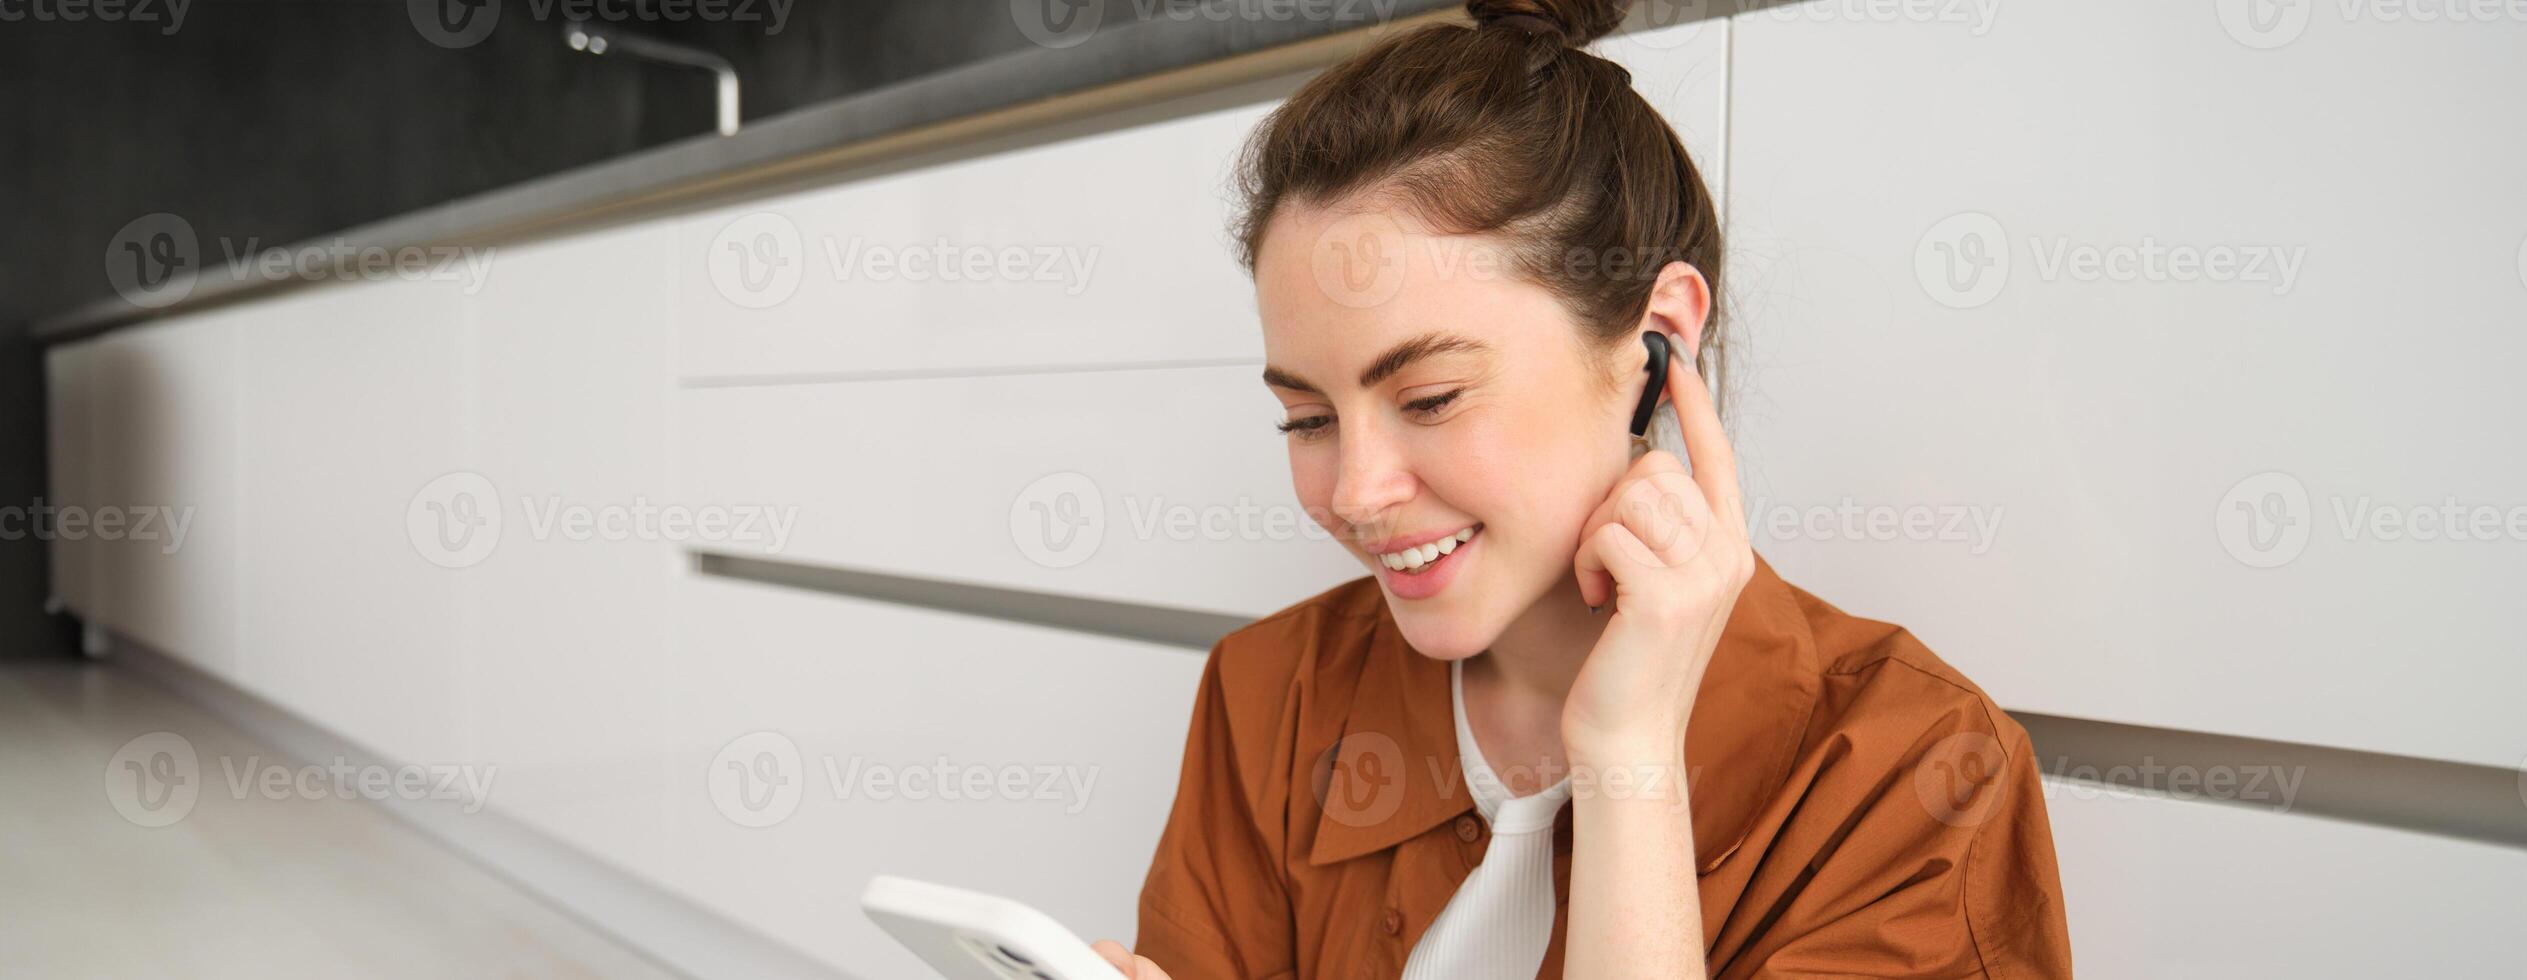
(1373, 481)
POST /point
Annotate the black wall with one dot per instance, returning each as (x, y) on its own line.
(284, 120)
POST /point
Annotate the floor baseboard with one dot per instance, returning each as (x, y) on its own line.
(667, 928)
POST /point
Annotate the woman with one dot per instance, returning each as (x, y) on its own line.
(1570, 725)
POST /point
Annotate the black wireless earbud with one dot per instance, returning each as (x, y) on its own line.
(1657, 367)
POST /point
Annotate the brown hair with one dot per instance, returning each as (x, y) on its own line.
(1505, 128)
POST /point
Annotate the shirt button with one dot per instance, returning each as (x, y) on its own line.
(1468, 829)
(1394, 922)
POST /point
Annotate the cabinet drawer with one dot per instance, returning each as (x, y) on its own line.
(1165, 487)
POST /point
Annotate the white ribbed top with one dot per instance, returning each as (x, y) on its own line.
(1498, 923)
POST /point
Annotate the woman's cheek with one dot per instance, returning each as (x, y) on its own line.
(1532, 476)
(1476, 466)
(1312, 480)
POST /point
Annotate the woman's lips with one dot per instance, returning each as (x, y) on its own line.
(1431, 578)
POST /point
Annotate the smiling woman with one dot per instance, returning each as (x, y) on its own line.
(1570, 725)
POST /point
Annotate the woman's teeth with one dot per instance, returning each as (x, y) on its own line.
(1415, 559)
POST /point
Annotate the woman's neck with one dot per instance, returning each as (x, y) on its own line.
(1514, 690)
(1539, 654)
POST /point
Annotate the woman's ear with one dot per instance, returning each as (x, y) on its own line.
(1680, 304)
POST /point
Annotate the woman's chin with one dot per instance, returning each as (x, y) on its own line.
(1444, 638)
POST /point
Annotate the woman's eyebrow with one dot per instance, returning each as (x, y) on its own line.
(1405, 353)
(1395, 359)
(1283, 379)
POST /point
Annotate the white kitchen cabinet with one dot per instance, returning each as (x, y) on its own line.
(2184, 889)
(352, 403)
(2032, 306)
(72, 387)
(569, 375)
(823, 739)
(164, 446)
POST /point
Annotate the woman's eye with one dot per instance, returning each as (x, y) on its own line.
(1431, 405)
(1311, 427)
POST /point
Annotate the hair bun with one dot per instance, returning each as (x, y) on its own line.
(1573, 22)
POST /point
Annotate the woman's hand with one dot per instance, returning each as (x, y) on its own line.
(1667, 550)
(1133, 967)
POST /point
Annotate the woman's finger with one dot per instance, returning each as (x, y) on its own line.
(1655, 465)
(1647, 466)
(1667, 513)
(1659, 483)
(1118, 957)
(1706, 442)
(1608, 557)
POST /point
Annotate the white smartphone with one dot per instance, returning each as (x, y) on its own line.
(968, 935)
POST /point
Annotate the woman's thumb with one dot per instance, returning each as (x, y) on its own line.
(1121, 958)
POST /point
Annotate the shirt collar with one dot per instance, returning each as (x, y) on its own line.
(1396, 771)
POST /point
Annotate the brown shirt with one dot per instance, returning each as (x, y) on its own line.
(1859, 807)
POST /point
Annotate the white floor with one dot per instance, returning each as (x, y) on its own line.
(241, 885)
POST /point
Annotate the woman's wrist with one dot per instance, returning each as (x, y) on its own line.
(1629, 767)
(1649, 744)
